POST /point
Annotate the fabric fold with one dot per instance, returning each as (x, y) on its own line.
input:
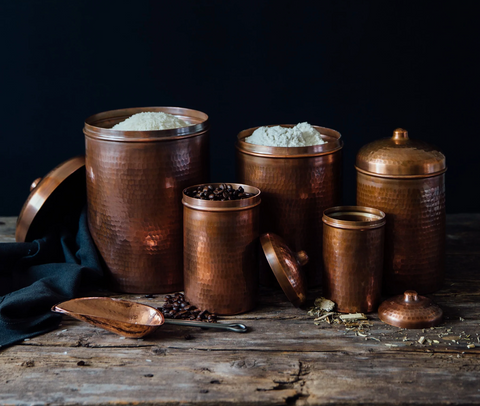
(37, 275)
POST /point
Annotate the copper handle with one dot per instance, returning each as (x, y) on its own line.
(35, 183)
(236, 327)
(301, 257)
(400, 134)
(410, 296)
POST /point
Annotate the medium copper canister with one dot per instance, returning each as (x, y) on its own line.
(134, 190)
(353, 246)
(406, 179)
(297, 184)
(221, 252)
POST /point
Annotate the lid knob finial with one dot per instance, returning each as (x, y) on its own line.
(302, 258)
(400, 134)
(35, 183)
(410, 296)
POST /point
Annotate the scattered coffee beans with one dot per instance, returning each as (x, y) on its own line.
(221, 193)
(176, 307)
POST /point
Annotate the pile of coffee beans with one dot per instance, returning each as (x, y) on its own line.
(221, 193)
(176, 307)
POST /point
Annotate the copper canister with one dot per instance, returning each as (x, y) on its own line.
(297, 184)
(353, 246)
(134, 190)
(406, 179)
(221, 252)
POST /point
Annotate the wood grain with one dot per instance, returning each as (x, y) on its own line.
(284, 358)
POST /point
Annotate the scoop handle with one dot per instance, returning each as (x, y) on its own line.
(236, 327)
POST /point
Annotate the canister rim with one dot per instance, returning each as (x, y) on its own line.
(354, 217)
(397, 176)
(333, 144)
(228, 205)
(99, 125)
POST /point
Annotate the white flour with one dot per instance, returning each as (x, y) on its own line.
(302, 135)
(149, 121)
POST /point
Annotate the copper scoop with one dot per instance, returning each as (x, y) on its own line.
(126, 318)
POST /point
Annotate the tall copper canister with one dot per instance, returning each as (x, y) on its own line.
(221, 252)
(134, 191)
(406, 179)
(297, 184)
(353, 247)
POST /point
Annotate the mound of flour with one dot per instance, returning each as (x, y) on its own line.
(302, 135)
(149, 121)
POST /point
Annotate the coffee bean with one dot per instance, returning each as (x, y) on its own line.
(222, 192)
(176, 307)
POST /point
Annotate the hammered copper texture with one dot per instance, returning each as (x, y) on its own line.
(296, 190)
(400, 156)
(287, 267)
(415, 229)
(353, 261)
(221, 255)
(134, 192)
(410, 311)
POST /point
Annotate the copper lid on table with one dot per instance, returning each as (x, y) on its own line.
(286, 265)
(60, 192)
(399, 156)
(410, 310)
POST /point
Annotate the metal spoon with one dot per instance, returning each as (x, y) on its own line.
(127, 318)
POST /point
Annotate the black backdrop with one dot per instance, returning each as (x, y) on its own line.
(360, 67)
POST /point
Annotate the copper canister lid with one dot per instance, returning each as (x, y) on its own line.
(410, 310)
(286, 265)
(399, 156)
(60, 192)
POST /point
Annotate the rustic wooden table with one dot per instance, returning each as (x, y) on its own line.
(284, 359)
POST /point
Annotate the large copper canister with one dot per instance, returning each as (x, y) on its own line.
(221, 252)
(297, 184)
(353, 246)
(406, 179)
(134, 191)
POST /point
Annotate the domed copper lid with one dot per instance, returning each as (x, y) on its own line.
(410, 311)
(286, 265)
(52, 198)
(400, 156)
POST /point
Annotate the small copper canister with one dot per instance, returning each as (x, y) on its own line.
(353, 246)
(221, 252)
(297, 184)
(406, 179)
(134, 190)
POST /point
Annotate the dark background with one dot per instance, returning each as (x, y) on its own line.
(363, 68)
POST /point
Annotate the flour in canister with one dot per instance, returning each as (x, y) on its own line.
(150, 121)
(302, 135)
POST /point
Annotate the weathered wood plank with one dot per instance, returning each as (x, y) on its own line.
(171, 376)
(281, 335)
(7, 229)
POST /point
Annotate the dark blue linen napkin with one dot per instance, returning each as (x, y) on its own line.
(36, 275)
